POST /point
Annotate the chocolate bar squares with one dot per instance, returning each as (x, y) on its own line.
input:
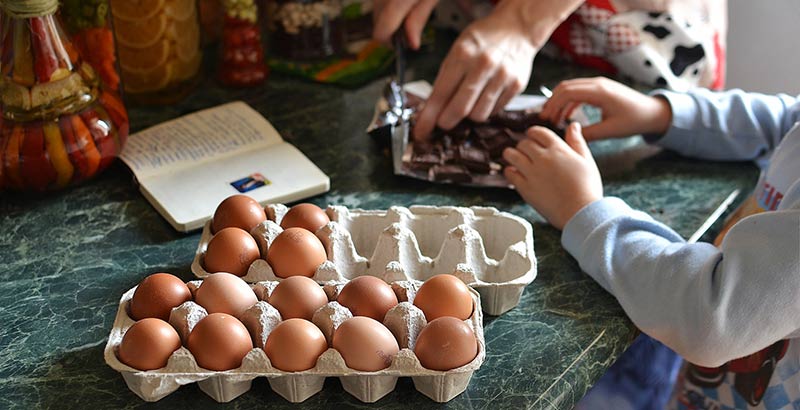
(471, 149)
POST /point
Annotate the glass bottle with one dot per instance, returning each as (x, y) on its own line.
(59, 126)
(158, 42)
(305, 29)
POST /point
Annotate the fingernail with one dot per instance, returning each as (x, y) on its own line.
(576, 126)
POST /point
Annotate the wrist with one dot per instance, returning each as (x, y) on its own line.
(537, 19)
(660, 116)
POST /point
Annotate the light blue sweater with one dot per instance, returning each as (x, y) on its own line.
(712, 305)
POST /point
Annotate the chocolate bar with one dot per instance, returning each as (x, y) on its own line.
(473, 149)
(520, 121)
(423, 162)
(450, 173)
(473, 158)
(497, 143)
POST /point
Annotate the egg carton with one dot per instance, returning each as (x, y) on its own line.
(491, 251)
(405, 321)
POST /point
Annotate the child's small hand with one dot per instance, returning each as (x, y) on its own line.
(555, 177)
(626, 111)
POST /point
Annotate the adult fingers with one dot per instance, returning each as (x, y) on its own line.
(488, 99)
(447, 81)
(480, 68)
(512, 89)
(390, 17)
(415, 22)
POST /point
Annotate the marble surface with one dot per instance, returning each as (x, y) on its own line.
(66, 258)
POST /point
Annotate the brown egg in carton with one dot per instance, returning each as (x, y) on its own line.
(405, 321)
(491, 251)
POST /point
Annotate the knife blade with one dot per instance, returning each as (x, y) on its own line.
(399, 42)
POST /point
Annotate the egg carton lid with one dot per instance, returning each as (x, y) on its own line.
(224, 386)
(490, 250)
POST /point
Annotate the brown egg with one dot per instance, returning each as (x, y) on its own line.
(365, 344)
(156, 295)
(444, 295)
(368, 296)
(298, 297)
(239, 211)
(306, 216)
(446, 343)
(225, 293)
(295, 345)
(219, 342)
(231, 250)
(148, 344)
(296, 252)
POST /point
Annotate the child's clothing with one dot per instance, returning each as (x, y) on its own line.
(675, 44)
(642, 378)
(713, 305)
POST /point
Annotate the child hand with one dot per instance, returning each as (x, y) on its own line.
(558, 178)
(626, 111)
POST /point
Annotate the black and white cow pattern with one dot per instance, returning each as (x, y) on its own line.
(673, 53)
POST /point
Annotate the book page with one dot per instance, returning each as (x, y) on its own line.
(188, 197)
(198, 138)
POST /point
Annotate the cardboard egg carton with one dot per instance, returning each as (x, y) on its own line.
(491, 251)
(405, 321)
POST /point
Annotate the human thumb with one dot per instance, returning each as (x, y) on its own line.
(575, 140)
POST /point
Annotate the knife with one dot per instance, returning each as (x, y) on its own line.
(399, 42)
(398, 105)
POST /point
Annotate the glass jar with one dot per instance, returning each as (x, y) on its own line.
(211, 18)
(88, 23)
(242, 63)
(305, 29)
(158, 42)
(59, 126)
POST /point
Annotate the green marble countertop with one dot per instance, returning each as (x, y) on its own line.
(65, 260)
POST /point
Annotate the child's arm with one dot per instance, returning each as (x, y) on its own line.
(732, 125)
(709, 305)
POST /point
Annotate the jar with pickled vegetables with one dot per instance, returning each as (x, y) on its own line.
(242, 51)
(88, 24)
(158, 42)
(58, 124)
(305, 29)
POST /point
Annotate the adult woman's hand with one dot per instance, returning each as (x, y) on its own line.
(490, 62)
(389, 15)
(488, 65)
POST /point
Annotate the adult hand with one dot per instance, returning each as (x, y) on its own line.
(389, 15)
(556, 177)
(625, 111)
(486, 67)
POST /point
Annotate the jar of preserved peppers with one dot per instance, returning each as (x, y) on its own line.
(305, 29)
(59, 126)
(242, 50)
(88, 23)
(158, 42)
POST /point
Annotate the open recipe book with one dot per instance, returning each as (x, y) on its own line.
(187, 166)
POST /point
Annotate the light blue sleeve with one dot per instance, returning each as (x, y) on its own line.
(731, 125)
(709, 305)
